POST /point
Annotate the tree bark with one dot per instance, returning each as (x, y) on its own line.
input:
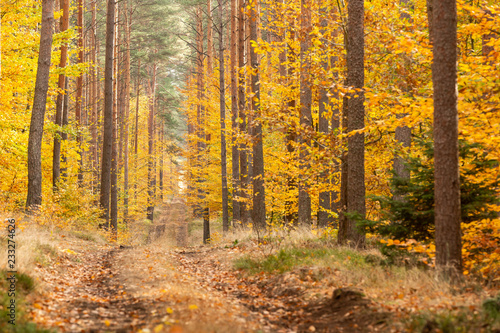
(259, 197)
(446, 167)
(323, 128)
(291, 137)
(136, 141)
(56, 156)
(34, 197)
(94, 101)
(79, 92)
(355, 196)
(235, 156)
(244, 210)
(210, 40)
(403, 133)
(222, 106)
(128, 29)
(107, 148)
(151, 172)
(305, 113)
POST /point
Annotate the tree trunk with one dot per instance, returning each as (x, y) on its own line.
(222, 100)
(305, 113)
(56, 156)
(210, 40)
(235, 156)
(79, 93)
(151, 172)
(446, 168)
(116, 114)
(403, 133)
(136, 141)
(290, 214)
(107, 144)
(94, 101)
(64, 135)
(34, 198)
(324, 101)
(355, 195)
(128, 29)
(244, 210)
(259, 198)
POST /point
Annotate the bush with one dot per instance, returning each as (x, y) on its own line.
(413, 216)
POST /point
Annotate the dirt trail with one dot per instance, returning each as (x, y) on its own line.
(159, 288)
(126, 290)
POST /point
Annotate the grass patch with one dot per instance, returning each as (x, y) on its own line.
(84, 236)
(24, 285)
(45, 254)
(486, 319)
(289, 258)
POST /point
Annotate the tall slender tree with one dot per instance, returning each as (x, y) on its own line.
(107, 149)
(235, 156)
(79, 90)
(56, 156)
(355, 190)
(222, 106)
(243, 149)
(259, 195)
(446, 167)
(34, 198)
(305, 112)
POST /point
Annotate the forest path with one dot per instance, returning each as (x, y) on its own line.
(94, 288)
(286, 302)
(161, 287)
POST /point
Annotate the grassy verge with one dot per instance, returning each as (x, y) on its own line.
(462, 319)
(419, 298)
(287, 259)
(24, 285)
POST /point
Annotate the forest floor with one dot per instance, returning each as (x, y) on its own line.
(86, 284)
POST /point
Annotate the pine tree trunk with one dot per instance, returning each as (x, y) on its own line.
(324, 101)
(64, 135)
(34, 197)
(305, 114)
(79, 92)
(222, 100)
(94, 99)
(107, 145)
(355, 193)
(446, 167)
(116, 115)
(259, 202)
(403, 133)
(136, 134)
(291, 138)
(128, 29)
(210, 40)
(151, 172)
(235, 155)
(56, 156)
(244, 211)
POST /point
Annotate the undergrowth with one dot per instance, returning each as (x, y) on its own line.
(24, 285)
